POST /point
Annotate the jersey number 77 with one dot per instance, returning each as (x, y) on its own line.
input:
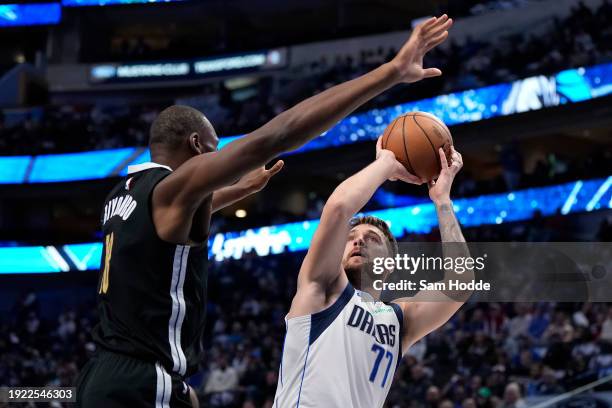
(379, 357)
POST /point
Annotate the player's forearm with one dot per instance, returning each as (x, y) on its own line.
(355, 192)
(311, 117)
(450, 231)
(227, 196)
(453, 246)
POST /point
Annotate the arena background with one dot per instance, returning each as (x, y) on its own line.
(526, 92)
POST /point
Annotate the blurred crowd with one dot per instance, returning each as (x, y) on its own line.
(128, 46)
(583, 38)
(487, 355)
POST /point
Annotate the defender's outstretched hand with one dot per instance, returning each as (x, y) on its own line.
(399, 172)
(425, 36)
(439, 190)
(257, 179)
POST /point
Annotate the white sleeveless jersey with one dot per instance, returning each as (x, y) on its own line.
(342, 357)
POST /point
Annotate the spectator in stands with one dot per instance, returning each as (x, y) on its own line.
(548, 385)
(519, 324)
(512, 397)
(468, 403)
(465, 364)
(432, 397)
(606, 328)
(222, 384)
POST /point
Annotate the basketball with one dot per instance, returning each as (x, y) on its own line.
(415, 138)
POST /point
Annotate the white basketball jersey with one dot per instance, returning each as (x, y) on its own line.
(342, 357)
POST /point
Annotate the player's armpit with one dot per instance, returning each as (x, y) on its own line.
(310, 298)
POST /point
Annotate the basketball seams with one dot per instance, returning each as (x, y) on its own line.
(433, 124)
(411, 169)
(388, 134)
(433, 148)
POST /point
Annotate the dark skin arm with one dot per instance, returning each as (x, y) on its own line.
(251, 183)
(180, 195)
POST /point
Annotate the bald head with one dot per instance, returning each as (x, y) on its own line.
(176, 124)
(512, 392)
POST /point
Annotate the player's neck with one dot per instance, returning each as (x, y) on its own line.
(167, 159)
(369, 289)
(365, 283)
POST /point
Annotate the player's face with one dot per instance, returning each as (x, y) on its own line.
(365, 242)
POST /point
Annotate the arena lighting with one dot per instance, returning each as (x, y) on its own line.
(188, 69)
(79, 3)
(534, 93)
(294, 237)
(12, 15)
(240, 213)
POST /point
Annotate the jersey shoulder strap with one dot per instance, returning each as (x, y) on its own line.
(322, 320)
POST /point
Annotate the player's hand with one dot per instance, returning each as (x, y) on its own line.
(257, 179)
(439, 190)
(409, 60)
(398, 171)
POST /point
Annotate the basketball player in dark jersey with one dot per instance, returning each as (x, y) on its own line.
(152, 286)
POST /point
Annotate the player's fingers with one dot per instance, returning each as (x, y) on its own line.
(276, 168)
(404, 175)
(439, 27)
(431, 183)
(431, 72)
(433, 22)
(443, 160)
(456, 162)
(456, 156)
(453, 150)
(426, 25)
(435, 41)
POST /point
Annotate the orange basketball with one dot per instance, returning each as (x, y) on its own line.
(415, 139)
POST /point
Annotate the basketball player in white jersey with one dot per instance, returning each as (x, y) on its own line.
(342, 346)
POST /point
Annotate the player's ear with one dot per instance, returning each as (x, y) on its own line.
(194, 143)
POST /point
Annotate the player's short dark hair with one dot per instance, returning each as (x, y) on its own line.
(174, 124)
(381, 225)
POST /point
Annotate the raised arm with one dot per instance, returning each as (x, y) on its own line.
(429, 310)
(182, 192)
(322, 265)
(250, 183)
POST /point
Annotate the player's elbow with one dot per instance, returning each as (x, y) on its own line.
(337, 208)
